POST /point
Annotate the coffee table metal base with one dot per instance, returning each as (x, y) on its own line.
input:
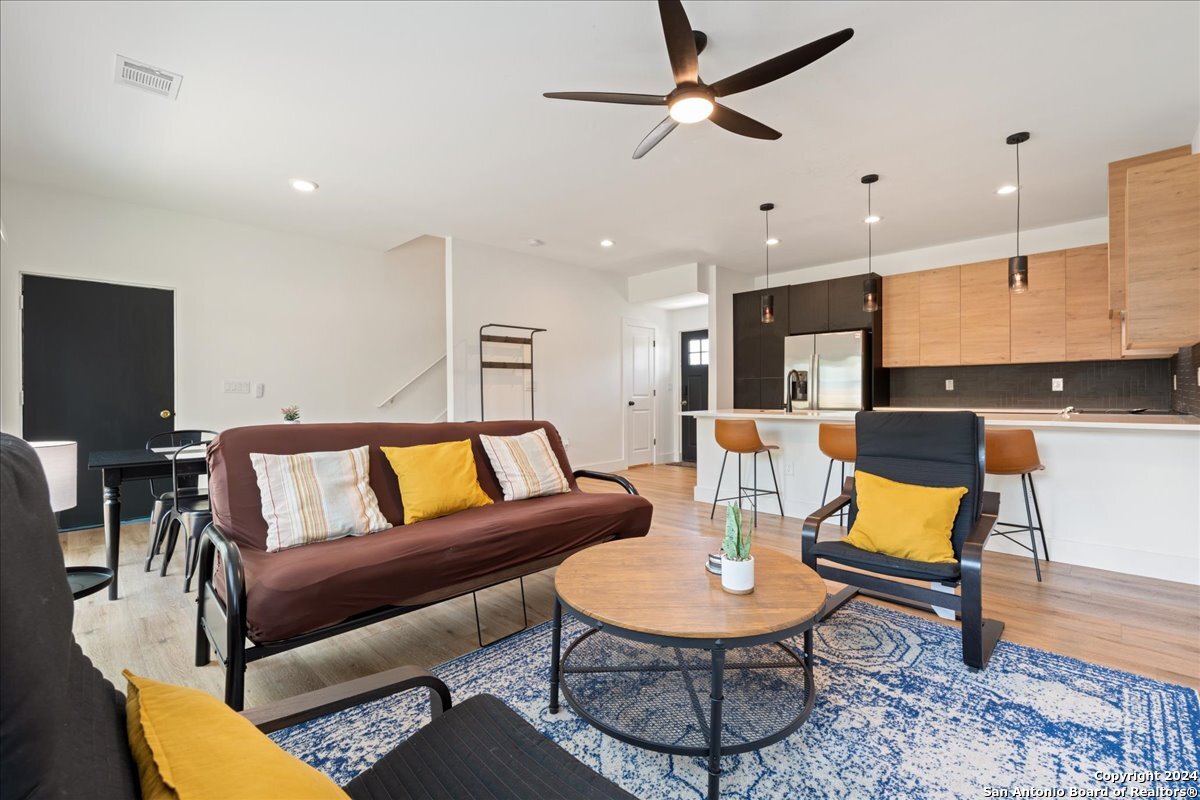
(650, 691)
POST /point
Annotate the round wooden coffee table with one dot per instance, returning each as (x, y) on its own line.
(640, 672)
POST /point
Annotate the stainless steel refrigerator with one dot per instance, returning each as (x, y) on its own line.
(825, 371)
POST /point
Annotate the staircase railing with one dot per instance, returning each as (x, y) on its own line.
(391, 398)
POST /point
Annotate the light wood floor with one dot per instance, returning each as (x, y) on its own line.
(1141, 625)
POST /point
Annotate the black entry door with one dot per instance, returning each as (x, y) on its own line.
(98, 368)
(693, 384)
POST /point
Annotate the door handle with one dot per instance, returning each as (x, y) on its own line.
(630, 402)
(165, 414)
(683, 404)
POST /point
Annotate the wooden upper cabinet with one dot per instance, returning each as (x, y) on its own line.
(902, 320)
(1162, 254)
(983, 324)
(1037, 317)
(1117, 177)
(940, 317)
(1089, 328)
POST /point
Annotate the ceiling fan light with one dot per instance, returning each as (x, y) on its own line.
(691, 108)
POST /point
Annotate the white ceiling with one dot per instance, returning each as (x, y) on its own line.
(428, 118)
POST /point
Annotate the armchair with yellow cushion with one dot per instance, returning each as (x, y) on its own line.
(917, 510)
(66, 732)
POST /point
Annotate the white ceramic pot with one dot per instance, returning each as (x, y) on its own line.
(737, 577)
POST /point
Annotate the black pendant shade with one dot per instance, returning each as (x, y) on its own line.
(768, 300)
(870, 295)
(1018, 265)
(871, 301)
(1018, 274)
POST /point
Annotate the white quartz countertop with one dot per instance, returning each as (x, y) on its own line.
(1000, 417)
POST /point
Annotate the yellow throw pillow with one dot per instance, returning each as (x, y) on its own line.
(904, 520)
(436, 479)
(188, 745)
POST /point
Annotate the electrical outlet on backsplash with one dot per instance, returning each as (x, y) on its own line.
(1084, 384)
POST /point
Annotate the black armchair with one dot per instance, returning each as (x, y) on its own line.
(929, 449)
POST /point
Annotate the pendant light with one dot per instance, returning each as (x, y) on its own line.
(768, 299)
(870, 283)
(1018, 265)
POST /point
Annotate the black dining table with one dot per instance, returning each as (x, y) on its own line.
(118, 466)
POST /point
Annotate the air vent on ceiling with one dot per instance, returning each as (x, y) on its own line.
(152, 79)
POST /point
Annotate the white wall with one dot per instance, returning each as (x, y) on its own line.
(331, 327)
(577, 361)
(1038, 240)
(723, 284)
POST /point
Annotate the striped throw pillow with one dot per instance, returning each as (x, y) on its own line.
(525, 465)
(316, 497)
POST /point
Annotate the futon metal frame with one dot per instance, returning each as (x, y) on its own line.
(221, 624)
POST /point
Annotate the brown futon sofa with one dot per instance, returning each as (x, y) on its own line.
(286, 599)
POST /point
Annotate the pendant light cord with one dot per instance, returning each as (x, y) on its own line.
(1018, 199)
(869, 227)
(766, 246)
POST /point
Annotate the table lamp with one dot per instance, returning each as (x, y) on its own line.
(60, 463)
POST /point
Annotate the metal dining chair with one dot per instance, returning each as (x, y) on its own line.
(164, 492)
(189, 511)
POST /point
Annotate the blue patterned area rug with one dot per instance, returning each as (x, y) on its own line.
(897, 715)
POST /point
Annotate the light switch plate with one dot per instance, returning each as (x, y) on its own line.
(259, 390)
(237, 387)
(1056, 384)
(789, 468)
(950, 385)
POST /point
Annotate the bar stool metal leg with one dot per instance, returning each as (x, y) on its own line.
(775, 481)
(1037, 565)
(754, 502)
(717, 491)
(741, 491)
(1041, 528)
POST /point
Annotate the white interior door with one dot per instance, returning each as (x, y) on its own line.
(639, 344)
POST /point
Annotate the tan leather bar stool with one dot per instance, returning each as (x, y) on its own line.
(837, 441)
(1014, 452)
(741, 436)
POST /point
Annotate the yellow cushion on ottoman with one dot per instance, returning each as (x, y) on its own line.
(188, 745)
(436, 479)
(904, 520)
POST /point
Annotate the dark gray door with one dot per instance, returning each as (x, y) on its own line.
(693, 387)
(98, 368)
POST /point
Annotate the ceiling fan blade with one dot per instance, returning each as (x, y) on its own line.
(610, 97)
(681, 42)
(779, 66)
(736, 122)
(655, 136)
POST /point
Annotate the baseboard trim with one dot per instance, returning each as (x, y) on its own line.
(604, 466)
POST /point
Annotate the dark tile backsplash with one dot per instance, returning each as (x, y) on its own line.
(1086, 385)
(1185, 398)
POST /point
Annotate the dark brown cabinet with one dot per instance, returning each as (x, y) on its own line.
(845, 304)
(758, 349)
(808, 307)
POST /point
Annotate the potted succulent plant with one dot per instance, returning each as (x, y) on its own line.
(291, 413)
(737, 565)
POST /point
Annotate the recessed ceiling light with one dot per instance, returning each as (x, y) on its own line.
(606, 242)
(772, 241)
(871, 220)
(535, 243)
(1007, 188)
(302, 185)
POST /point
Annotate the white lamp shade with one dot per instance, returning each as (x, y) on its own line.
(59, 463)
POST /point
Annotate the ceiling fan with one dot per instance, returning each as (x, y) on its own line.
(692, 100)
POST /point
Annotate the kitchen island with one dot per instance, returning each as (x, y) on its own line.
(1120, 491)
